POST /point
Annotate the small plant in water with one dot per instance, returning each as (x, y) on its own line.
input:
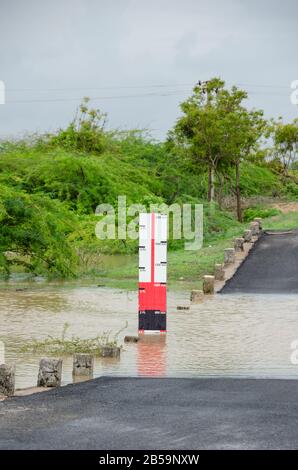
(74, 344)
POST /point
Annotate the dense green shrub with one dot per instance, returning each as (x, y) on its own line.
(252, 212)
(259, 180)
(34, 233)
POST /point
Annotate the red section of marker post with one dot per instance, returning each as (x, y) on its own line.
(152, 273)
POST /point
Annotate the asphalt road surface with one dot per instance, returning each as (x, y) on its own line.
(270, 268)
(136, 413)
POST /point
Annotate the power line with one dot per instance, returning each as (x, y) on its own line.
(171, 92)
(112, 97)
(115, 97)
(114, 87)
(262, 85)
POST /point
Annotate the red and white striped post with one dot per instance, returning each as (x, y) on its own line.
(152, 273)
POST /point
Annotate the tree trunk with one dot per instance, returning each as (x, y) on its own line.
(220, 189)
(211, 192)
(238, 196)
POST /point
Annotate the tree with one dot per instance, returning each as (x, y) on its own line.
(286, 143)
(199, 130)
(243, 131)
(218, 132)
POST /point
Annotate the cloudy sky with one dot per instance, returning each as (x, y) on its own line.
(138, 59)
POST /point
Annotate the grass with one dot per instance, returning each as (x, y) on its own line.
(187, 268)
(63, 345)
(282, 222)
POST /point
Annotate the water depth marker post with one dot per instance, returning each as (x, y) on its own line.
(153, 229)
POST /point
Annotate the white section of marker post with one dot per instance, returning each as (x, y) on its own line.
(144, 247)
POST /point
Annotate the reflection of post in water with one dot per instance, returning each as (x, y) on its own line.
(152, 355)
(2, 353)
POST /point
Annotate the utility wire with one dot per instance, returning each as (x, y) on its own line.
(112, 97)
(114, 87)
(99, 98)
(171, 92)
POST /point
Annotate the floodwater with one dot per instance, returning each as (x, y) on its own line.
(233, 336)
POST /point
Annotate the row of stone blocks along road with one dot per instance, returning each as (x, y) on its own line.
(50, 370)
(249, 236)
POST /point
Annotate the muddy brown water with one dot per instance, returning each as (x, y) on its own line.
(231, 335)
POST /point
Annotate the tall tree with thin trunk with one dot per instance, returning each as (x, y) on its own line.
(198, 129)
(218, 132)
(286, 143)
(243, 131)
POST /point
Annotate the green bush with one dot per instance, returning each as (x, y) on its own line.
(256, 180)
(34, 233)
(291, 189)
(252, 212)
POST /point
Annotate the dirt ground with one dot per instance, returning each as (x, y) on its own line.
(229, 203)
(286, 207)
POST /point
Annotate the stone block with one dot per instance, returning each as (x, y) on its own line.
(196, 295)
(110, 351)
(255, 229)
(219, 272)
(131, 339)
(7, 380)
(50, 372)
(83, 364)
(229, 256)
(247, 235)
(2, 353)
(259, 221)
(208, 284)
(238, 244)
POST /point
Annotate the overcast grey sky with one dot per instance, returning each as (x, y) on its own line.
(140, 58)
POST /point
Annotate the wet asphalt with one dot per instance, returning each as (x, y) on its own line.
(152, 413)
(270, 268)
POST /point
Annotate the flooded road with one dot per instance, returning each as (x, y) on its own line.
(230, 335)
